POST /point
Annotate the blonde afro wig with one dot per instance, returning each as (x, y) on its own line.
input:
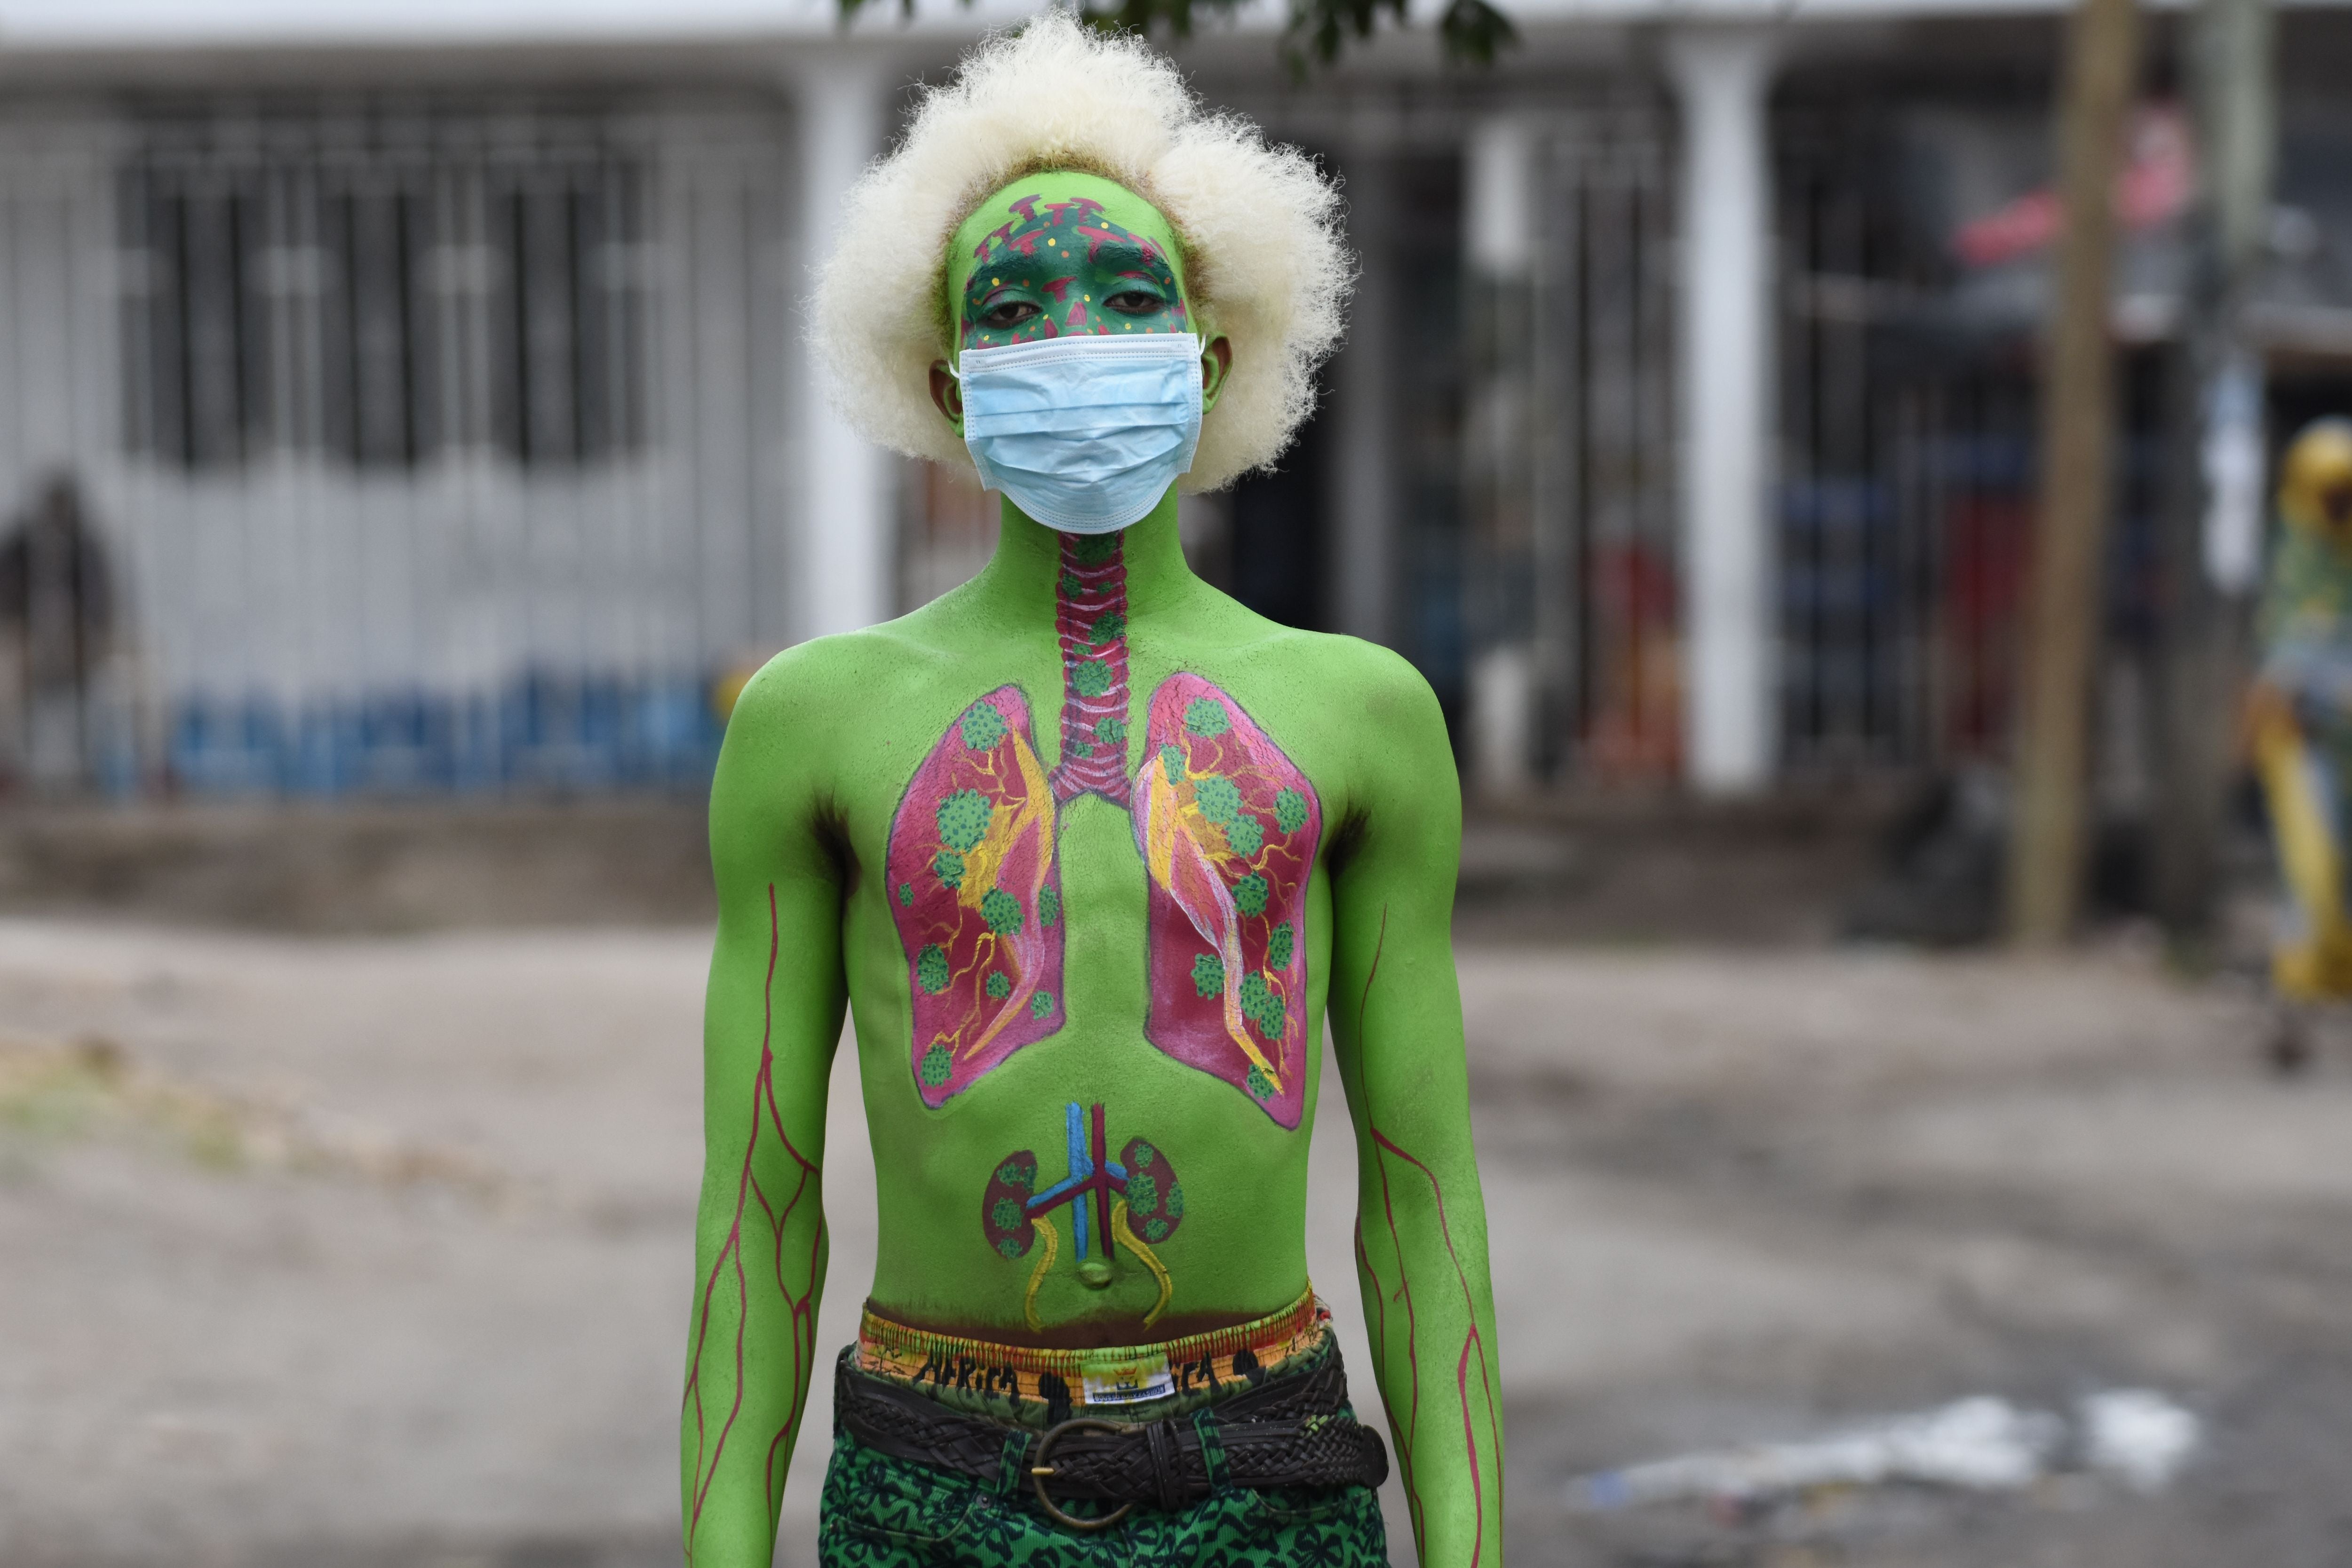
(1259, 225)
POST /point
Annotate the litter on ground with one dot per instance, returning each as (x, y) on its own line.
(2135, 1436)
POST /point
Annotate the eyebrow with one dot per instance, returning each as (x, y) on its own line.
(1127, 257)
(1016, 267)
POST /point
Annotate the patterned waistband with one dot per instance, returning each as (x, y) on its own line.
(1026, 1384)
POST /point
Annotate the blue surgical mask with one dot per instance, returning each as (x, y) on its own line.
(1085, 433)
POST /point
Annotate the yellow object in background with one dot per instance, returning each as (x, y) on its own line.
(2316, 481)
(2315, 964)
(728, 687)
(2308, 607)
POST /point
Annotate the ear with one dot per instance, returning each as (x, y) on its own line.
(947, 395)
(1216, 363)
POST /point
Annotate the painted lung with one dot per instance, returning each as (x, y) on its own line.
(977, 897)
(1227, 826)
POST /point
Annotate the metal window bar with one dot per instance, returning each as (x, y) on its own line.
(383, 291)
(1604, 487)
(424, 447)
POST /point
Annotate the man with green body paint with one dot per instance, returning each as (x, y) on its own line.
(1088, 1100)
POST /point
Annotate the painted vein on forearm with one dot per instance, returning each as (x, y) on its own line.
(801, 1309)
(1474, 1344)
(1407, 1430)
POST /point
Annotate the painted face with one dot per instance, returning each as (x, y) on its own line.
(1060, 253)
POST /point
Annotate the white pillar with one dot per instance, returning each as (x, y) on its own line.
(1498, 216)
(1723, 76)
(846, 530)
(1363, 475)
(1498, 236)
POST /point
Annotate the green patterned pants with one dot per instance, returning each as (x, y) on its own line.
(884, 1512)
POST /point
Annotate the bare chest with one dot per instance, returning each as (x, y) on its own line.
(1225, 826)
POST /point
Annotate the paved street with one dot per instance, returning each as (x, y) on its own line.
(375, 1251)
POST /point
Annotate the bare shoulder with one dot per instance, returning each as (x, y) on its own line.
(1358, 681)
(792, 713)
(813, 684)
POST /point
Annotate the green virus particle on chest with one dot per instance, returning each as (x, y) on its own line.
(982, 726)
(964, 819)
(1143, 1196)
(1173, 1204)
(1000, 985)
(1218, 799)
(1206, 717)
(1245, 835)
(1143, 1157)
(1008, 1250)
(1155, 1230)
(1082, 748)
(931, 969)
(1262, 1005)
(1014, 1173)
(1002, 911)
(1071, 588)
(1049, 904)
(1112, 731)
(1280, 943)
(1040, 1005)
(1107, 629)
(1005, 1214)
(1090, 678)
(1290, 811)
(948, 867)
(906, 895)
(1258, 1084)
(1208, 974)
(1250, 894)
(937, 1065)
(1171, 764)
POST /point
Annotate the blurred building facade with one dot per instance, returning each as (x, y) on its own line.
(414, 399)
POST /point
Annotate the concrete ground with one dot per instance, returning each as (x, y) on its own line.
(375, 1251)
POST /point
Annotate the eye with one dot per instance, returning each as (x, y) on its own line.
(1135, 302)
(1009, 313)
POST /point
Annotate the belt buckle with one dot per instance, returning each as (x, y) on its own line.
(1039, 1470)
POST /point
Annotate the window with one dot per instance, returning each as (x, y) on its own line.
(384, 288)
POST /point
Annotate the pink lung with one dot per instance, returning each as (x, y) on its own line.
(977, 897)
(1227, 826)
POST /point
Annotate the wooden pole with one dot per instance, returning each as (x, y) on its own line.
(2063, 609)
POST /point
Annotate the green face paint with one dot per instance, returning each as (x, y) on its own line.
(1061, 253)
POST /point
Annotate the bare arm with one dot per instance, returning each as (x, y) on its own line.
(1421, 1226)
(771, 1019)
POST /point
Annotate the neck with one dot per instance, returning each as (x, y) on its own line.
(1026, 569)
(1094, 585)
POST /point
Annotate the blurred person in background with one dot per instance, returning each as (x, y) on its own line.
(2300, 720)
(1087, 950)
(57, 624)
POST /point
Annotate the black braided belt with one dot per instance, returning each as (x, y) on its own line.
(1287, 1431)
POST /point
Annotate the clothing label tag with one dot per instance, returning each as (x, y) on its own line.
(1130, 1382)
